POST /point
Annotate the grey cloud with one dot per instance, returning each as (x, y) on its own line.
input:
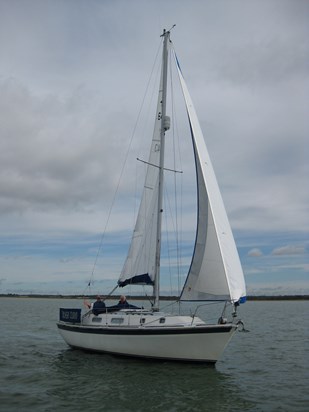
(52, 152)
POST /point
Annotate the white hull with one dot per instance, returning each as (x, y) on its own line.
(195, 341)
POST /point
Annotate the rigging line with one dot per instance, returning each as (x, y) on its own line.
(148, 115)
(175, 224)
(148, 297)
(87, 287)
(123, 167)
(167, 240)
(175, 134)
(173, 229)
(113, 290)
(181, 162)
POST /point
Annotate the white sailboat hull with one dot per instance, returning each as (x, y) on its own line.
(195, 343)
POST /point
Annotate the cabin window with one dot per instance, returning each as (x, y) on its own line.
(96, 320)
(117, 321)
(162, 320)
(143, 320)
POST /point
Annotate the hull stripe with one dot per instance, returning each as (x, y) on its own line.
(145, 331)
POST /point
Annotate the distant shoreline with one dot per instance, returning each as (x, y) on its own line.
(47, 296)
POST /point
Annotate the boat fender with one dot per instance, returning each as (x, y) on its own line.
(243, 329)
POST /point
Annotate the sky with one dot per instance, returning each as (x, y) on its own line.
(72, 78)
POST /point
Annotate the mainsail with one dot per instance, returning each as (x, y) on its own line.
(139, 266)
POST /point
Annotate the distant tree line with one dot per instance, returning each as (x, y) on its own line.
(47, 296)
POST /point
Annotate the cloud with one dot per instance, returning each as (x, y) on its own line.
(289, 250)
(53, 151)
(255, 252)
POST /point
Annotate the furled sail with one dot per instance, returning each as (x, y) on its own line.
(215, 272)
(139, 266)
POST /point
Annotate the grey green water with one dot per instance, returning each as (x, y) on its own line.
(265, 369)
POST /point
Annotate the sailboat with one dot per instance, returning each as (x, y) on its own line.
(214, 275)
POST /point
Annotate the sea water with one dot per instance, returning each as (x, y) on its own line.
(265, 369)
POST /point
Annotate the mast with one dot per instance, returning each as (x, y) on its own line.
(164, 127)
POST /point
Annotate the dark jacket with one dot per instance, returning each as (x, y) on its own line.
(98, 307)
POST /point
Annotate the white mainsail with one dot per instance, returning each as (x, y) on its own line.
(215, 272)
(139, 266)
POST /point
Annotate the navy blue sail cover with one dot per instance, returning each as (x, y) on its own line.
(136, 280)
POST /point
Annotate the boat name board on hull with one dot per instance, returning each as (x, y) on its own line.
(70, 315)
